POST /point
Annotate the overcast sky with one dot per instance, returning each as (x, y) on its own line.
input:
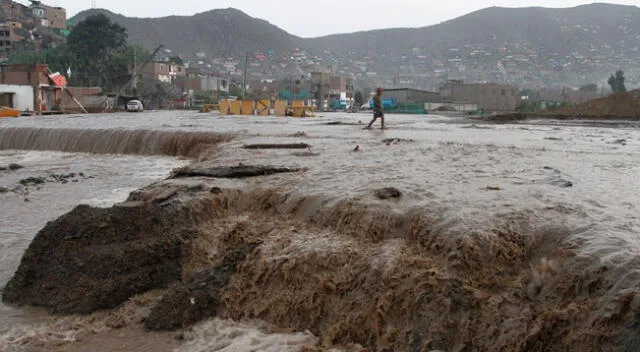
(321, 17)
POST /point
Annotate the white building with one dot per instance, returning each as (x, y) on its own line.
(17, 96)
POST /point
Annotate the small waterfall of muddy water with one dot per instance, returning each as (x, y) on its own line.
(513, 228)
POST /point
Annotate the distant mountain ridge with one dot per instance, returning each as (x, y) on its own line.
(510, 44)
(225, 32)
(541, 27)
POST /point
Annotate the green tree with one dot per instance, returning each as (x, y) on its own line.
(57, 58)
(591, 87)
(206, 97)
(235, 91)
(25, 57)
(528, 107)
(358, 99)
(617, 82)
(96, 51)
(100, 54)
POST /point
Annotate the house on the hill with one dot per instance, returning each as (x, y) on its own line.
(48, 16)
(165, 71)
(33, 27)
(197, 79)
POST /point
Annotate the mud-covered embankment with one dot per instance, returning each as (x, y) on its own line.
(348, 272)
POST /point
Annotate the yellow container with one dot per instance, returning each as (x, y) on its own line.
(209, 107)
(298, 109)
(263, 107)
(224, 107)
(280, 108)
(235, 107)
(248, 107)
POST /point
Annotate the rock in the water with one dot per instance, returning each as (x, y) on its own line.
(230, 171)
(32, 181)
(556, 179)
(562, 183)
(92, 259)
(388, 193)
(190, 302)
(395, 140)
(15, 167)
(4, 189)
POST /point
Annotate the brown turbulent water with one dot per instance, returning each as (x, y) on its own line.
(487, 247)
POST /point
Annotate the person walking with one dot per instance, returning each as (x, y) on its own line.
(377, 109)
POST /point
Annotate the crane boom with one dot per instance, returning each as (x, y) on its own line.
(137, 72)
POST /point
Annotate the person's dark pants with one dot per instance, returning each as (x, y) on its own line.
(377, 114)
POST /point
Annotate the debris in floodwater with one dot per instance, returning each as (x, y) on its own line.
(622, 142)
(340, 123)
(298, 134)
(389, 141)
(556, 179)
(305, 154)
(278, 146)
(388, 193)
(12, 167)
(242, 171)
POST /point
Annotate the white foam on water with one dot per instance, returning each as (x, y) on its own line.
(226, 336)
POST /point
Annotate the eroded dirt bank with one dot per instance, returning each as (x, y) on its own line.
(350, 273)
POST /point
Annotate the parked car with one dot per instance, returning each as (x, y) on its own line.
(135, 106)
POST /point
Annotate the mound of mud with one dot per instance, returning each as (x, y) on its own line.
(619, 105)
(91, 258)
(616, 105)
(199, 298)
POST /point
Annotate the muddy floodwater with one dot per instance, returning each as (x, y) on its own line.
(561, 187)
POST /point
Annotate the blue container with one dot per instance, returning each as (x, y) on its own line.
(386, 103)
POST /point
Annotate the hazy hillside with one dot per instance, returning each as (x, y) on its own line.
(532, 47)
(562, 30)
(225, 32)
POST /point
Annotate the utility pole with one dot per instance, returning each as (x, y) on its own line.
(244, 78)
(218, 84)
(135, 71)
(293, 72)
